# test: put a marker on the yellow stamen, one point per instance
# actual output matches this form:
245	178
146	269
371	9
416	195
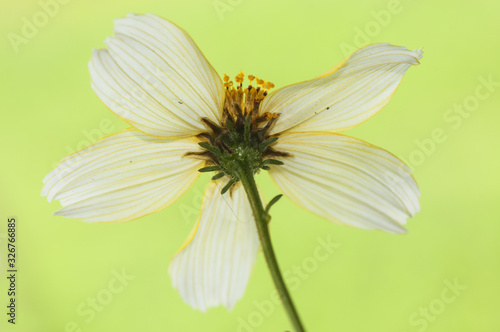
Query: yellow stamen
244	100
240	77
270	116
268	85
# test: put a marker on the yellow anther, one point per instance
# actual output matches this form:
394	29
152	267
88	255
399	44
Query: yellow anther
246	98
240	77
270	116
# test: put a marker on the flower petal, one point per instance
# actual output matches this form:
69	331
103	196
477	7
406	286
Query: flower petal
122	177
214	265
154	77
346	180
344	96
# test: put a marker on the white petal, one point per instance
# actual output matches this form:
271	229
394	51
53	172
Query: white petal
344	96
154	76
122	177
214	265
346	180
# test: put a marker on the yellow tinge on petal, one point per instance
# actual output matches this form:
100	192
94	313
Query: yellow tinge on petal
344	96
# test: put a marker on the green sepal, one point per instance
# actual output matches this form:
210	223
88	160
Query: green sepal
227	141
210	169
267	168
272	202
232	131
268	142
272	162
218	176
227	186
215	150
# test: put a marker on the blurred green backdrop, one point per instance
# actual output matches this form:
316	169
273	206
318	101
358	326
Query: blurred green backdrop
441	276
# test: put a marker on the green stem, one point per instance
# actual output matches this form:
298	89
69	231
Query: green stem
261	219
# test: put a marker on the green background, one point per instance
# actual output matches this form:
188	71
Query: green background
370	281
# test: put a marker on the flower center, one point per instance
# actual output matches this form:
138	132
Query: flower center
245	101
242	137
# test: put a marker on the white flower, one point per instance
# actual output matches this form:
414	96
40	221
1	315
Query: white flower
156	79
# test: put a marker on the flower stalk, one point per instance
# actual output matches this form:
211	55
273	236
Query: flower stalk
262	219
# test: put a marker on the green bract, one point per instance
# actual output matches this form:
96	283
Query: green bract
243	140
